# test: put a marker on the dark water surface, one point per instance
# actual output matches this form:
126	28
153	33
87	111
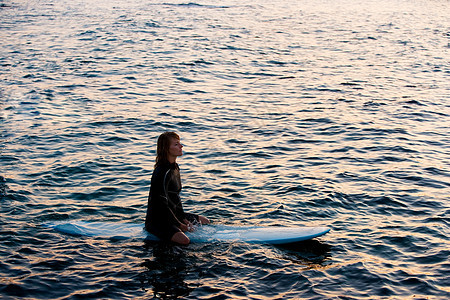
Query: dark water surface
328	113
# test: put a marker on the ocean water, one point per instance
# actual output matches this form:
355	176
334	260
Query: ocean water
320	113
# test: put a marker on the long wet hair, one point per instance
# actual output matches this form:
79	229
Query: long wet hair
163	146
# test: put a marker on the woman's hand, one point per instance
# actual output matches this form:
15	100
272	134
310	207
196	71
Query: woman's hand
203	220
186	226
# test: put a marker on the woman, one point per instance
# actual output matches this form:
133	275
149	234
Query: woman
165	215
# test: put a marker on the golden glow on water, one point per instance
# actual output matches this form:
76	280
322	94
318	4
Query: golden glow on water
291	112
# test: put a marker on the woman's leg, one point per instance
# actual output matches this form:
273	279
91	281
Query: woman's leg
180	238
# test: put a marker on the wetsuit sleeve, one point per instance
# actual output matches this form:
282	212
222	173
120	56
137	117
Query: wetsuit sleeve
179	211
171	216
162	213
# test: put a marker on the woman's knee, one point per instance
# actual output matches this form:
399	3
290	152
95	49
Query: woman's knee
180	238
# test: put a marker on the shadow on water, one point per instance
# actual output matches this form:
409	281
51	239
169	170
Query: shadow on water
312	253
165	273
173	272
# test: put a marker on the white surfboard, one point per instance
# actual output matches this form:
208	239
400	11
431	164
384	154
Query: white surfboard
202	234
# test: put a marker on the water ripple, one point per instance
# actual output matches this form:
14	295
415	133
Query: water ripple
314	113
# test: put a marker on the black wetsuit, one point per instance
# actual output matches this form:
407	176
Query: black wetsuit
164	211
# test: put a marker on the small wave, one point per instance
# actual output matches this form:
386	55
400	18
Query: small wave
295	189
103	193
416	179
197	62
193	4
187	80
436	171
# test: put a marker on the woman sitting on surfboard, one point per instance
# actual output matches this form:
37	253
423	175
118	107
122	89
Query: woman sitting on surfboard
165	215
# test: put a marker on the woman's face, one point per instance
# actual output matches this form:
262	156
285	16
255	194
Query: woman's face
175	148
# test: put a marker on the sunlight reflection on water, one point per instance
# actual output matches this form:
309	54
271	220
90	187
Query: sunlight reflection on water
291	112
